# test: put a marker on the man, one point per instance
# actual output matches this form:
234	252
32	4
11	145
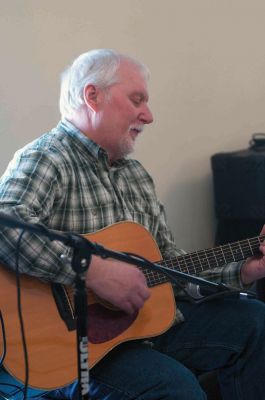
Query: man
78	178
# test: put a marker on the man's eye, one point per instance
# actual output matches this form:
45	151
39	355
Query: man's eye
136	102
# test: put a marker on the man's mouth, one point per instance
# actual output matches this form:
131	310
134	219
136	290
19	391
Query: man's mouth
135	130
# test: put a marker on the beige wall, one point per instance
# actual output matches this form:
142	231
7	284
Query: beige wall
207	88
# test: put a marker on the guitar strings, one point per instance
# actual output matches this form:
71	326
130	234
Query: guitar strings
198	261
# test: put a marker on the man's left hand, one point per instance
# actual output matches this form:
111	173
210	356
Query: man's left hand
254	267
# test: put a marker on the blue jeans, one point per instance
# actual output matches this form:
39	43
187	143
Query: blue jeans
223	335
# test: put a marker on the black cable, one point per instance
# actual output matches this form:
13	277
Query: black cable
11	385
4	339
20	316
18	389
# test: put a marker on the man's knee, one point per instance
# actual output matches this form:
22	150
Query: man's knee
180	384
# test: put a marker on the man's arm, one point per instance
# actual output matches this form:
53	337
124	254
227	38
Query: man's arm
29	190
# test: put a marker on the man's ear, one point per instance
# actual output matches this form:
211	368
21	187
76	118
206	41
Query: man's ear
91	96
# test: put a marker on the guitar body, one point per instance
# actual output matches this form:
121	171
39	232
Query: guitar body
51	346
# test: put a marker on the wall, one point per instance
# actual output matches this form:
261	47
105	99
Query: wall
207	87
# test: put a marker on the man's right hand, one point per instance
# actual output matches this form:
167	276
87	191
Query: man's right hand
119	283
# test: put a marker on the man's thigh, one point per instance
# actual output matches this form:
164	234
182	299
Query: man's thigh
212	333
136	371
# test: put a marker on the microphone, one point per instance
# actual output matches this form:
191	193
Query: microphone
198	293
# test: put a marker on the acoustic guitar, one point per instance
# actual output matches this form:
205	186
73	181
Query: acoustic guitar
49	316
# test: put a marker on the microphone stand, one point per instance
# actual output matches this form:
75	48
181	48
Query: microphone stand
83	249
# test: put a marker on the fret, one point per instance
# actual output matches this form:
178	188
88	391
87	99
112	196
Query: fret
219	254
204	261
237	251
247	249
198	267
250	247
212	258
181	263
190	268
152	275
254	244
157	279
154	278
206	258
169	263
228	253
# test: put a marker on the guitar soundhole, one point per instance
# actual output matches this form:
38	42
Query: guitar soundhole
105	324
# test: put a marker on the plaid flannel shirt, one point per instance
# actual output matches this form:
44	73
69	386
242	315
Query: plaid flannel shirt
63	180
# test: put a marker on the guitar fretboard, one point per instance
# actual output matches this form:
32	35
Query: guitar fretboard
198	261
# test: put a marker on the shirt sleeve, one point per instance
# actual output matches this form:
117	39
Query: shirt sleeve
165	239
29	189
230	274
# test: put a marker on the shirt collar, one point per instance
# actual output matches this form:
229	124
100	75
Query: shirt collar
71	130
96	151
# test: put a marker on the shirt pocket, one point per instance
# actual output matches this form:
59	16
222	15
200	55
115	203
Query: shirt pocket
144	205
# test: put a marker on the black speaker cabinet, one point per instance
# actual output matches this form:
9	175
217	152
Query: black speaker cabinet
239	195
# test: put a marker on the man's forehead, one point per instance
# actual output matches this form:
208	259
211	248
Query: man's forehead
128	70
131	77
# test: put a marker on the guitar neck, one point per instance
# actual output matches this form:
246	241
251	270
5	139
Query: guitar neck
198	261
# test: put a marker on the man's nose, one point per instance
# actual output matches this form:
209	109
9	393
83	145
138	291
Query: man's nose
146	115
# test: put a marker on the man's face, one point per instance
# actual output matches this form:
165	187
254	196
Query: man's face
124	112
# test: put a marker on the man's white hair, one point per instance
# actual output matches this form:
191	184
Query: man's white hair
96	67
